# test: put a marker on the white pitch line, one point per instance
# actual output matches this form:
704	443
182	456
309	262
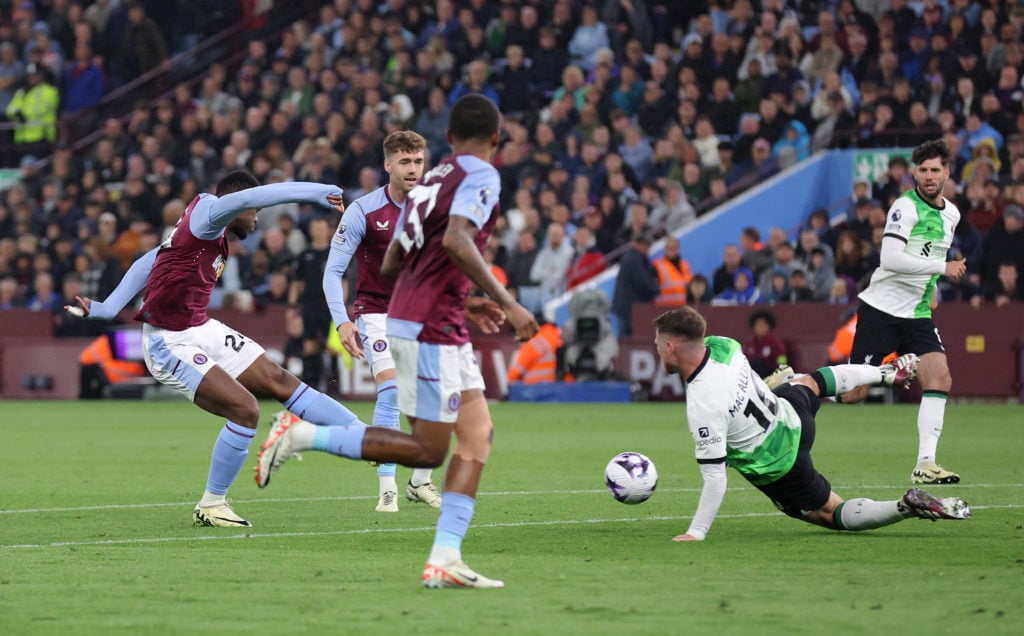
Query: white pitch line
504	493
483	526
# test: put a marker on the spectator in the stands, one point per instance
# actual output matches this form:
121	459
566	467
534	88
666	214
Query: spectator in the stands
637	282
142	47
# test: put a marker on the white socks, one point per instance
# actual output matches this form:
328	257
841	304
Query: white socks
929	427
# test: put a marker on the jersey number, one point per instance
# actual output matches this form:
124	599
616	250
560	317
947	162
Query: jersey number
766	405
422	200
235	341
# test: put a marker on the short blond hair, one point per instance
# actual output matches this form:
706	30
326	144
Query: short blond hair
403	141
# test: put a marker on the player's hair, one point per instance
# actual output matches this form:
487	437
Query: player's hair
934	149
683	322
235	181
403	141
473	116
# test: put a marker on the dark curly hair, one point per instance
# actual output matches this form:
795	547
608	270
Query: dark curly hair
935	149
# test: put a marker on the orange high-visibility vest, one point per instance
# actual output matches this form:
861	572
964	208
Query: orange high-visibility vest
841	347
98	353
535	359
673	281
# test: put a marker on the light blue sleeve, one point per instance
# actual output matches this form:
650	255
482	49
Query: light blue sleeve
477	195
212	214
347	238
132	283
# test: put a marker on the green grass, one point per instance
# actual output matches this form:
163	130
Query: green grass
95	535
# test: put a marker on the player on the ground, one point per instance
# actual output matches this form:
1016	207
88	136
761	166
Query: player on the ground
436	253
219	369
735	420
895	312
365	232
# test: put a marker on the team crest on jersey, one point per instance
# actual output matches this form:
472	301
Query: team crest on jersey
200	359
380	345
218	265
454	401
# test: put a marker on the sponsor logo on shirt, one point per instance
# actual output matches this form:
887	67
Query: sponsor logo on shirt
711	441
703	431
383	225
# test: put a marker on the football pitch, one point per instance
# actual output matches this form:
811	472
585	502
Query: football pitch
96	537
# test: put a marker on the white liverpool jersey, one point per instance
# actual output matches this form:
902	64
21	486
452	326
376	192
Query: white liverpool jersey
734	417
927	233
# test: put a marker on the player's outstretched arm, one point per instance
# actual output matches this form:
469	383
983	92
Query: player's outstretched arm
228	207
459	242
711	496
132	283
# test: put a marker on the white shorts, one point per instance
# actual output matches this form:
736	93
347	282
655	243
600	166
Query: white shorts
373	334
180	359
432	377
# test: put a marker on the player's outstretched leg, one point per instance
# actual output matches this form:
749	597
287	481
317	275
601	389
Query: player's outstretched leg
868	514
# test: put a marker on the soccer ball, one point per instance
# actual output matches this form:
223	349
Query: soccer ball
631	477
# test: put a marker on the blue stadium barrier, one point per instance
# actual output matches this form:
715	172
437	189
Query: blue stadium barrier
784	200
569	392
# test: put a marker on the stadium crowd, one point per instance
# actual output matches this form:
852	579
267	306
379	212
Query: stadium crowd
625	120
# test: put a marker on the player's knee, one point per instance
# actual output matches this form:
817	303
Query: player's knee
475	443
246	412
433	456
939	380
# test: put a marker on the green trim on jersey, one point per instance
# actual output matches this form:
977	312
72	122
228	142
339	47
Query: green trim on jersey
772	459
928	229
722	349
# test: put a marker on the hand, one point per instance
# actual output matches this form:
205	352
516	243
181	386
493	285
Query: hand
524	323
485	313
337	202
955	270
686	537
82	310
350	339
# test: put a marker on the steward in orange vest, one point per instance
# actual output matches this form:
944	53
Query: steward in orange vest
673	276
98	353
536	359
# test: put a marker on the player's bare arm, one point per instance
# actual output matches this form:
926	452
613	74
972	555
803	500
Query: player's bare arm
459	243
